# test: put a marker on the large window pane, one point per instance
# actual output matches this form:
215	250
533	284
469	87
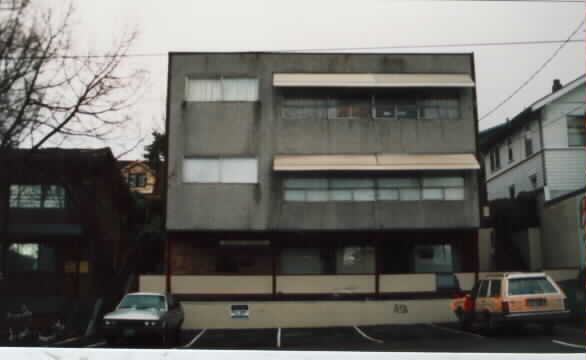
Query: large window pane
294	195
240	89
443	181
576	131
54	197
454	194
409	194
352	183
355	260
229	89
364	195
433	258
204	90
25	196
306	183
243	171
341	195
301	261
348	108
201	171
388	194
433	194
22	258
397	182
527	286
316	195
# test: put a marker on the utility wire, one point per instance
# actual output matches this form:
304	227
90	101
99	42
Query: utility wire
383	47
526	82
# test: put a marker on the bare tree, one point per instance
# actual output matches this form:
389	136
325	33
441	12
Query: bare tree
46	91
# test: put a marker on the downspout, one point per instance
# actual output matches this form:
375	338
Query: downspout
165	180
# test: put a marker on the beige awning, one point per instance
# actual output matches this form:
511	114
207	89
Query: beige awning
375	162
371	80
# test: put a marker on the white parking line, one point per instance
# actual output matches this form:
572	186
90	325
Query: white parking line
366	336
66	341
194	339
455	331
101	343
582	347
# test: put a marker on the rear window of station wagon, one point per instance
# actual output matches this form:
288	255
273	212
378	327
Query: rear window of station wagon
529	286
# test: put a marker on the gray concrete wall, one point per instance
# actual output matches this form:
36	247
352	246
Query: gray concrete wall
257	129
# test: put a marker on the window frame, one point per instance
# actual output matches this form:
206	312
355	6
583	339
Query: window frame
218	165
222	82
377	187
581	130
43	196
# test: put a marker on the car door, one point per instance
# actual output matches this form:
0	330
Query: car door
481	300
493	299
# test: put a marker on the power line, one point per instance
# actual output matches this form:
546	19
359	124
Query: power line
382	47
555	53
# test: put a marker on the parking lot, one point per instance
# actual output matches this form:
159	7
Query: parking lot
400	338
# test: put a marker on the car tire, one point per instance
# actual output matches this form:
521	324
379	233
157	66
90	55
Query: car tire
489	324
463	320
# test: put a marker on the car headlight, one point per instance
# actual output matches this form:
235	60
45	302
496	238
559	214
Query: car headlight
108	322
151	323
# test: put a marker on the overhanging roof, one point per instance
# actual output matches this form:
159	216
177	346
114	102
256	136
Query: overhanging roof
375	162
371	80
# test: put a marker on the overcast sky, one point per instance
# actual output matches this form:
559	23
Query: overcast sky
275	25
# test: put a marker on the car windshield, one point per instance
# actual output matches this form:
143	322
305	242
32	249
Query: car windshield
143	302
526	286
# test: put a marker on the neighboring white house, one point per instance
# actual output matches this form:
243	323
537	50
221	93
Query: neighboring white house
542	148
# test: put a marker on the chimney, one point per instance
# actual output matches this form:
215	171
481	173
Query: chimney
557	84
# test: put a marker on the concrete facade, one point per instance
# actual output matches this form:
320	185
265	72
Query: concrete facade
328	257
256	129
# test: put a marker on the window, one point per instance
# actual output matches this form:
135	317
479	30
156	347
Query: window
37	196
537	285
433	258
348	108
143	302
223	170
528	143
483	289
417	106
576	131
374	189
443	188
30	257
533	180
433	107
495	288
510	149
495	159
512	191
136	180
341	259
224	89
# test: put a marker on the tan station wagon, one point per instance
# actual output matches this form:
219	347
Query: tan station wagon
512	298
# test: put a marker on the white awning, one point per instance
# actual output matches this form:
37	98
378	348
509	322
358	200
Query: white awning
371	80
375	162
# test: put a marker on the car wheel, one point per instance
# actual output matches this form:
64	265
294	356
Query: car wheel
463	320
490	325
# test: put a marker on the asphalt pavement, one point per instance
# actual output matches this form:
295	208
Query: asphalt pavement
387	338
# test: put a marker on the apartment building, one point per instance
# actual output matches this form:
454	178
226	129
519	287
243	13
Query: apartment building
319	189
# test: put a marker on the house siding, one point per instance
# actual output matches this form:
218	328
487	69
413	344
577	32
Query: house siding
498	186
566	170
